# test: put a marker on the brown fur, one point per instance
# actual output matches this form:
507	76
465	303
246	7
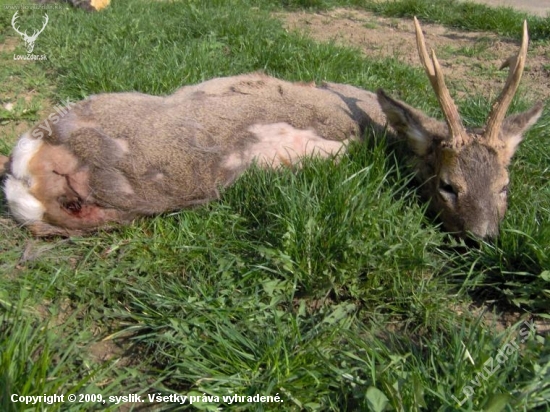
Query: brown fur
175	145
4	161
113	157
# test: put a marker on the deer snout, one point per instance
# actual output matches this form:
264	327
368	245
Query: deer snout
483	231
481	219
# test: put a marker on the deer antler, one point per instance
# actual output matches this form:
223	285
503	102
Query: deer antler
13	20
458	134
36	33
516	64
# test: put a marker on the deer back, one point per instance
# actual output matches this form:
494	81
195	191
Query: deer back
113	157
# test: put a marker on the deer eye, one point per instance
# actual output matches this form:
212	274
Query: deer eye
504	190
447	189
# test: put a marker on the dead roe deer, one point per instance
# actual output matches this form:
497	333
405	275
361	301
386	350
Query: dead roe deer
114	157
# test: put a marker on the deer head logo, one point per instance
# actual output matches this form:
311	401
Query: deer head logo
29	40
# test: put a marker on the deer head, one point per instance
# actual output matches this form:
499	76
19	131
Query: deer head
29	40
464	171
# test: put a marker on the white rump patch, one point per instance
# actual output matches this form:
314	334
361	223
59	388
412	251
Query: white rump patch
24	207
281	144
24	150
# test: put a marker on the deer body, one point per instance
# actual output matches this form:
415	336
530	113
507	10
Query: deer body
114	157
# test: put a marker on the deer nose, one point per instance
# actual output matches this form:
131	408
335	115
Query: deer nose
484	219
485	227
479	231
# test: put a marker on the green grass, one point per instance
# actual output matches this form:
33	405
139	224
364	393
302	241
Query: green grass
327	286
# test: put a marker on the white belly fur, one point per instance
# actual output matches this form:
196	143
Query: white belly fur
281	144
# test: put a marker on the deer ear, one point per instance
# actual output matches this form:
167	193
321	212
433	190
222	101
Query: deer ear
418	128
515	126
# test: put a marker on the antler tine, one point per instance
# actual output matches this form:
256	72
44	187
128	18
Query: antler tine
516	64
449	109
13	21
46	19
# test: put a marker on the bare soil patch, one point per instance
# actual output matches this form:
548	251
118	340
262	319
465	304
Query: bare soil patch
9	44
470	60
